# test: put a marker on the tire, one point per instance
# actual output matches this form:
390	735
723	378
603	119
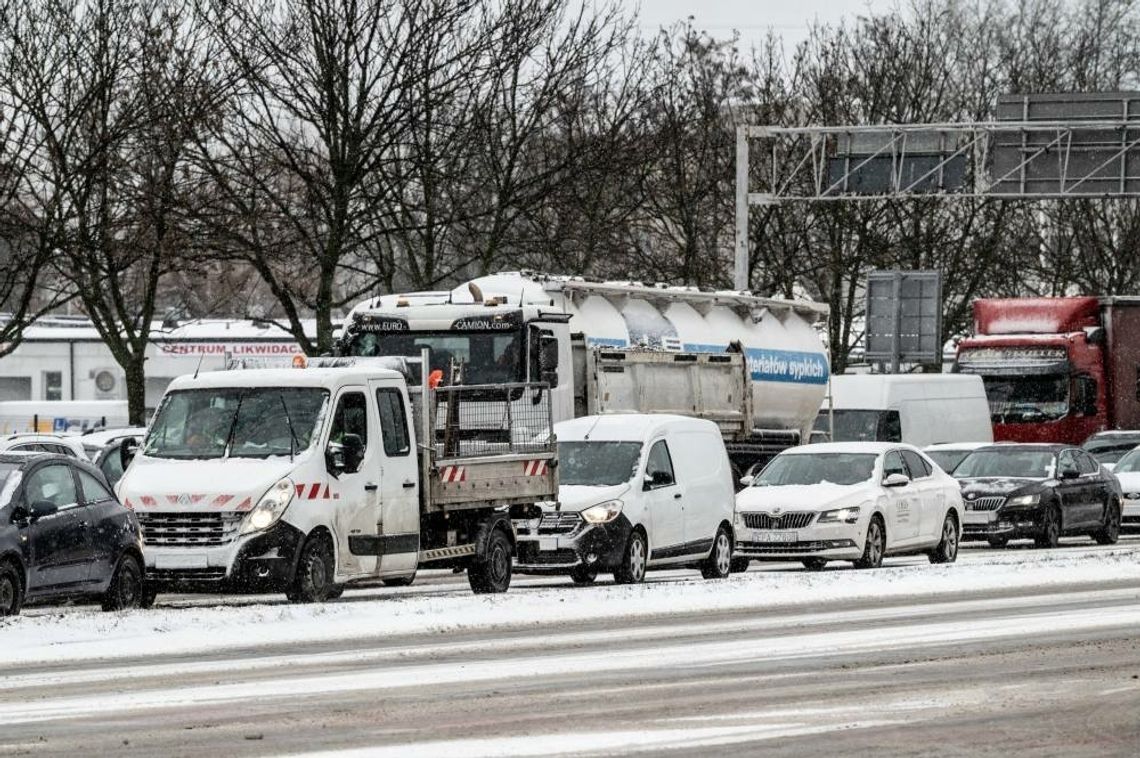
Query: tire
148	596
1050	529
126	590
633	560
814	564
583	575
1109	533
739	565
11	589
400	581
998	542
874	546
947	549
719	563
313	581
492	573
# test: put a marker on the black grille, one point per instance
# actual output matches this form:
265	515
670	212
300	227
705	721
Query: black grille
559	523
189	529
175	576
530	555
786	547
985	504
792	520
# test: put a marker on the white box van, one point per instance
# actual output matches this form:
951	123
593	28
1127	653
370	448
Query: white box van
636	492
918	409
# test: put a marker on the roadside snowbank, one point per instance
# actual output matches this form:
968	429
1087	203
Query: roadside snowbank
79	634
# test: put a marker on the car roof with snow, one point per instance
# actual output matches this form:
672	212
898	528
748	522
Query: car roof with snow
628	426
869	448
956	446
327	378
1044	447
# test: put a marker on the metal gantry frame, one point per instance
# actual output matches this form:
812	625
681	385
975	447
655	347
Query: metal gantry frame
1026	159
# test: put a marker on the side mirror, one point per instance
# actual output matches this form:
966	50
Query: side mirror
1068	473
353	452
127	450
896	480
658	479
41	508
746	481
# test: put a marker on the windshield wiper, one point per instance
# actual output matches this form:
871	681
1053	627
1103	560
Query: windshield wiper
294	443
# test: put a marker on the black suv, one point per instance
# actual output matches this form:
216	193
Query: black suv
1037	491
64	534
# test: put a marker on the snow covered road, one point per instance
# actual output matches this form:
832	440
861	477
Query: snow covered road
1002	649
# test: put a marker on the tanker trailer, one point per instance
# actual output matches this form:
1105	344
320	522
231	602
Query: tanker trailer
756	366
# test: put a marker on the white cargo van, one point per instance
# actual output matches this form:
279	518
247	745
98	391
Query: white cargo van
636	492
918	409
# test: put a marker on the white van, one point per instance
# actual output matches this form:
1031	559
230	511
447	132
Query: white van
918	409
636	492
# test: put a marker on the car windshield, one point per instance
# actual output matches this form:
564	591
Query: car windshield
1111	450
598	463
817	468
483	357
1129	463
1013	463
1027	399
237	423
861	425
947	460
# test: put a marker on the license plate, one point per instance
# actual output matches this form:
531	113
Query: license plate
186	561
547	543
974	517
774	537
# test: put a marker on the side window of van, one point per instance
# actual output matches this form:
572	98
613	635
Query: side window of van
919	468
351	417
393	422
890	427
659	466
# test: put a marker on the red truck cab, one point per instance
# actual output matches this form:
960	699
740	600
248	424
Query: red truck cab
1056	369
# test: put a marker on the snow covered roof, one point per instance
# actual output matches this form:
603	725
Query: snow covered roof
632	427
327	378
66	328
868	448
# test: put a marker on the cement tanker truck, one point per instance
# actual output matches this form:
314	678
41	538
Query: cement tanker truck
754	365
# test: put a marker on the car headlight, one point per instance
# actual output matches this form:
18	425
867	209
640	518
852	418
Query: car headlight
602	513
844	515
270	508
1023	500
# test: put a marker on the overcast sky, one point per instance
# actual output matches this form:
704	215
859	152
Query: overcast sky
789	18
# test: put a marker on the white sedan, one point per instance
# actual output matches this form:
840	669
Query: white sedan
849	501
1127	470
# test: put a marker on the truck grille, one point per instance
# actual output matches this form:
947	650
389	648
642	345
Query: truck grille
985	504
189	529
559	523
793	520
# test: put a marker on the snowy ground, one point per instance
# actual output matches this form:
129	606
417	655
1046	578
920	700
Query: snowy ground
55	635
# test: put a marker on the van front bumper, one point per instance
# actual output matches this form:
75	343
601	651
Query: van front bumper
258	562
598	546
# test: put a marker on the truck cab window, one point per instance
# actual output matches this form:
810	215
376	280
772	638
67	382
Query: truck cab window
393	422
351	417
1084	395
479	357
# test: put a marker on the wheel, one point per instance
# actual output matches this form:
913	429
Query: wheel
1050	528
1109	532
998	542
632	569
126	590
400	581
814	564
719	563
873	546
492	573
947	549
583	575
313	581
11	590
739	565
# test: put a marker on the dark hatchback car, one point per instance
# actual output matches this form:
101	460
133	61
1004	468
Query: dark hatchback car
1041	492
64	535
